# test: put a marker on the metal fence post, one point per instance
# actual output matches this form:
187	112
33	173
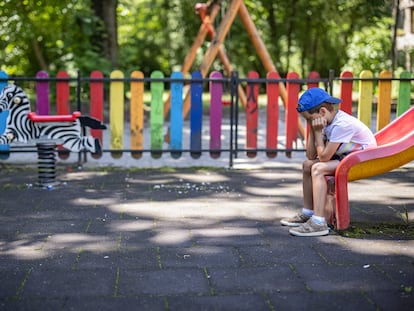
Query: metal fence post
234	112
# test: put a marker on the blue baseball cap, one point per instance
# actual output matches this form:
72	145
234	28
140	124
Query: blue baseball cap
314	97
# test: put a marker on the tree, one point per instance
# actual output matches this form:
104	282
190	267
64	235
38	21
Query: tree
106	35
147	35
47	35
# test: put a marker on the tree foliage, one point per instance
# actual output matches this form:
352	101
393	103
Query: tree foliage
300	35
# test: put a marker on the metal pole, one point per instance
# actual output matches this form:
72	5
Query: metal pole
330	80
79	107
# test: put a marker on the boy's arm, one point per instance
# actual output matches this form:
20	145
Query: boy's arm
311	153
325	152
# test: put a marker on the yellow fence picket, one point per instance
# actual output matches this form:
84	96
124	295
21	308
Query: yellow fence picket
116	112
365	97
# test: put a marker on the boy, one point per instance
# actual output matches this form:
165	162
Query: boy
333	135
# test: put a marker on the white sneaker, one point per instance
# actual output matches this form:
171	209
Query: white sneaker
295	221
310	228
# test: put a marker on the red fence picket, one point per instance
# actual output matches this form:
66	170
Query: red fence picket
292	90
346	91
62	94
272	113
97	100
252	113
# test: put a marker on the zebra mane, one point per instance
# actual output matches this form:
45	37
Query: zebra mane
13	97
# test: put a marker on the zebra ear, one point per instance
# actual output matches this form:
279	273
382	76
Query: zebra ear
17	100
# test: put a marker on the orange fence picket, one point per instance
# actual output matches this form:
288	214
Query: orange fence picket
384	100
137	114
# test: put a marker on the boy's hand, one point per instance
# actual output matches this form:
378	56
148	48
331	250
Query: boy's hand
318	124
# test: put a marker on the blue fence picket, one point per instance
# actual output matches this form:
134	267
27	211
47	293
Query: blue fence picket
196	114
3	114
3	119
176	116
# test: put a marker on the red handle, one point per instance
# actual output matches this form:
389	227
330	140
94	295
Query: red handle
59	118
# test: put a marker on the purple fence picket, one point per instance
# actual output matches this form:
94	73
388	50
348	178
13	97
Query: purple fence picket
42	91
216	92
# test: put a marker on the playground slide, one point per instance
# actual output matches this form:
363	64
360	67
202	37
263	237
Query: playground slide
395	148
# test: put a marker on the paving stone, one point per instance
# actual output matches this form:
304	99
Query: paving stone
283	253
343	278
361	252
11	281
32	304
245	302
393	300
163	282
68	282
247	280
329	300
115	303
202	256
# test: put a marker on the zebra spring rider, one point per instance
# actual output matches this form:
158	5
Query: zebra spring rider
20	128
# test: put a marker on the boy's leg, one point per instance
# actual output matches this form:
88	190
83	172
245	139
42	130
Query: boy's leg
319	184
307	183
307	212
316	225
329	210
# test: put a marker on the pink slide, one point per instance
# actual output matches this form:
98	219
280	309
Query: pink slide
395	148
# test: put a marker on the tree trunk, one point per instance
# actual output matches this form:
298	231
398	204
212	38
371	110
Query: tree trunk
290	29
396	15
39	55
107	35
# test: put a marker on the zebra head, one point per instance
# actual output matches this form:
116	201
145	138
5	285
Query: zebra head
11	97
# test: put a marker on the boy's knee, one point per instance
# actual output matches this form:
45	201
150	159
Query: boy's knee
307	165
317	169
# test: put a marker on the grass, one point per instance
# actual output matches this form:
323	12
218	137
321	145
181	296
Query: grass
388	230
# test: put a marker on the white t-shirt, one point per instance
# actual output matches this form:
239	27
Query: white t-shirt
350	132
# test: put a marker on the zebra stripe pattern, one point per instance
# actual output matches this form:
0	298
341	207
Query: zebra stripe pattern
20	128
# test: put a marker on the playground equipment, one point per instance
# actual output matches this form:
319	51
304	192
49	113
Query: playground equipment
46	148
46	131
395	148
208	13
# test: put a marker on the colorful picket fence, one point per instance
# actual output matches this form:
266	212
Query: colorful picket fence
176	83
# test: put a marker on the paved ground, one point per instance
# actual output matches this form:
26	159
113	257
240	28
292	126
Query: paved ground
206	239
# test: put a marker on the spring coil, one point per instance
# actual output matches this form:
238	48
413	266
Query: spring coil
46	164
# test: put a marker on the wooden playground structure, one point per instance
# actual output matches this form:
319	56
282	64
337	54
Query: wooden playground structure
208	12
